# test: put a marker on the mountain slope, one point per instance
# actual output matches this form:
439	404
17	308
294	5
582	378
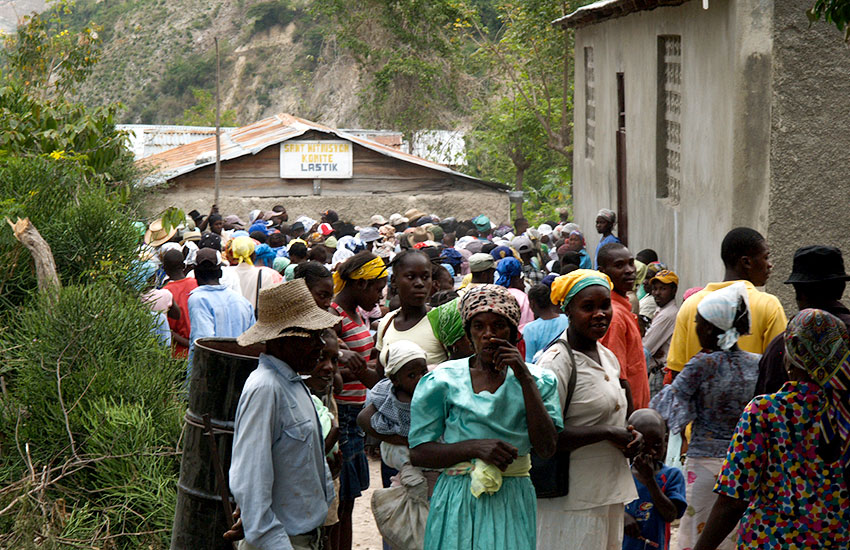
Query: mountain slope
273	58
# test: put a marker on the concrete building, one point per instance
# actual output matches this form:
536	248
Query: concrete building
309	167
693	117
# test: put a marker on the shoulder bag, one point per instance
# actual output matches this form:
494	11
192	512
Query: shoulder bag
551	476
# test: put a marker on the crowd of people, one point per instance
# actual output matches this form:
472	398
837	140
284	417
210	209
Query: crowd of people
520	393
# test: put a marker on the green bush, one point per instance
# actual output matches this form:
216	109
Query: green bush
87	224
118	402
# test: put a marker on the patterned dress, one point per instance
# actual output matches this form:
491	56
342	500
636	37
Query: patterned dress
797	501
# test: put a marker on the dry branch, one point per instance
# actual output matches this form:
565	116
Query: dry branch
45	266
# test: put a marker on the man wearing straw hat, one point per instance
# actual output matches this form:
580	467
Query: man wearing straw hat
278	474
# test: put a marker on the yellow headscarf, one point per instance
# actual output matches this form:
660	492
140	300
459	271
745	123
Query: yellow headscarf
565	287
373	269
242	248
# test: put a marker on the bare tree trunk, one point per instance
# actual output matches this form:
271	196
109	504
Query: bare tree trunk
520	175
45	266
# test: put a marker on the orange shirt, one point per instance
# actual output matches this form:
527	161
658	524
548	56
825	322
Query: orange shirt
623	339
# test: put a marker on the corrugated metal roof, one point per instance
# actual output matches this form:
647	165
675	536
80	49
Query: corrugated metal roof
150	139
610	9
253	138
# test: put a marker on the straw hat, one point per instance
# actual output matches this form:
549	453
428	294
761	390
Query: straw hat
414	214
420	235
284	307
156	235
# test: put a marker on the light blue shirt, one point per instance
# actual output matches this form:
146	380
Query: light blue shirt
540	332
217	311
278	473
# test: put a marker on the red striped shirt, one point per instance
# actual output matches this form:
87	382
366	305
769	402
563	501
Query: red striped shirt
359	340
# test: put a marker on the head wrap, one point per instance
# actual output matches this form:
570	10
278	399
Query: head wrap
373	269
190	251
666	277
580	236
450	269
507	269
330	242
446	322
640	273
482	223
607	214
501	252
549	279
260	226
239	233
565	287
242	248
720	309
452	257
281	263
570	227
818	343
265	254
355	245
489	299
396	355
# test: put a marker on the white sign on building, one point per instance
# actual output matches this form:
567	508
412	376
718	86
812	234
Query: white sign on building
316	159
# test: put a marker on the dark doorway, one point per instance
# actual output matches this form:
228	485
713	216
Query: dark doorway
622	198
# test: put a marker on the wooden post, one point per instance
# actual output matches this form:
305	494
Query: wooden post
217	123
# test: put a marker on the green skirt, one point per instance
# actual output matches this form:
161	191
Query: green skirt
505	520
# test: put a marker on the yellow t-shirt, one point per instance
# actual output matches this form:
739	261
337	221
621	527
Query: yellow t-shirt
767	320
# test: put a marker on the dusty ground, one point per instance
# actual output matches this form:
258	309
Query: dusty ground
366	535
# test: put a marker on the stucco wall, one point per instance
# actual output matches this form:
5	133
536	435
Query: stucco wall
810	146
725	95
355	208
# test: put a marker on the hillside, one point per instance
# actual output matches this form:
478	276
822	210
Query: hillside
11	11
274	58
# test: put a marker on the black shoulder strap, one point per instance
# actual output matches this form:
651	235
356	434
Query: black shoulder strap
571	385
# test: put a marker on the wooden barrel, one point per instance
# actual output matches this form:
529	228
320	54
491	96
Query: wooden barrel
219	370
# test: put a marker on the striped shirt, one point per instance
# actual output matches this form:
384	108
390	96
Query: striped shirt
359	340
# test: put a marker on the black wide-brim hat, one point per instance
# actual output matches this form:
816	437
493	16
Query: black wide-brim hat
817	264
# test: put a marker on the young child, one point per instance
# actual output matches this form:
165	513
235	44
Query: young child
661	488
386	415
321	382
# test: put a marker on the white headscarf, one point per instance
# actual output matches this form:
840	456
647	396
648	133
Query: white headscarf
192	253
719	309
396	355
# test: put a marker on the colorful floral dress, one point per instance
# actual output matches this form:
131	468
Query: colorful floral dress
797	501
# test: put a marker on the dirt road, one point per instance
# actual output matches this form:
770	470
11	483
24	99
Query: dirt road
366	535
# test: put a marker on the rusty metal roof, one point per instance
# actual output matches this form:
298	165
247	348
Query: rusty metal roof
610	9
253	138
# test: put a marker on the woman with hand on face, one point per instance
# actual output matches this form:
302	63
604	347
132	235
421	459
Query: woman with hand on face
596	436
478	418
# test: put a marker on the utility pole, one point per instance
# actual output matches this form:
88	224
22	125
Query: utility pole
217	122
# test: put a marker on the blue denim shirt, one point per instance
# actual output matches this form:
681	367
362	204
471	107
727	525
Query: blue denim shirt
217	311
278	473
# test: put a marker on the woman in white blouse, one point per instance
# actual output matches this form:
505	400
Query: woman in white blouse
595	434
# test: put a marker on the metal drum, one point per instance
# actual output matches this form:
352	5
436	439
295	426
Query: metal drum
219	370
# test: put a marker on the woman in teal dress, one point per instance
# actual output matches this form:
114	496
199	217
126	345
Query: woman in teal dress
478	418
